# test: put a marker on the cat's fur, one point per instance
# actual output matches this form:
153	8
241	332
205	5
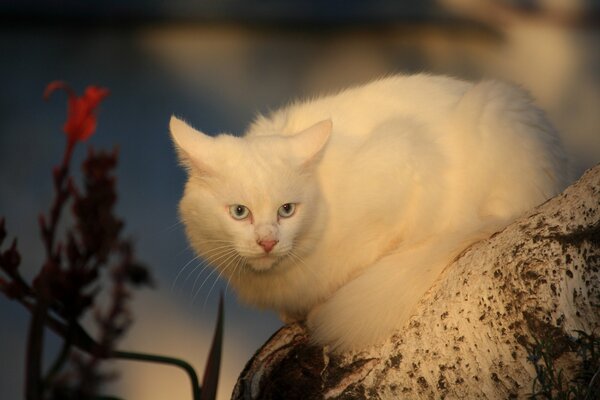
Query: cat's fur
392	180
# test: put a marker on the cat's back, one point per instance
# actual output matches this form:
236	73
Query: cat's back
359	110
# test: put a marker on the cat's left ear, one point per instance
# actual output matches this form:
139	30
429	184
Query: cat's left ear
309	144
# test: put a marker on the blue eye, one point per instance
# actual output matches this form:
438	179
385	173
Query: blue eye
287	210
238	211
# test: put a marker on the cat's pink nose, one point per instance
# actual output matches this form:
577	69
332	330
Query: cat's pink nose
267	245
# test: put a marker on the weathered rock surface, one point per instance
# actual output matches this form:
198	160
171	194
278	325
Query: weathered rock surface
469	337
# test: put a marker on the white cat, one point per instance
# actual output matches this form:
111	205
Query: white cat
343	210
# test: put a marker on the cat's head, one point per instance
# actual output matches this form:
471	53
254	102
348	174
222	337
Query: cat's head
250	201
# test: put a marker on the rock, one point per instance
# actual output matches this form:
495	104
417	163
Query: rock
470	336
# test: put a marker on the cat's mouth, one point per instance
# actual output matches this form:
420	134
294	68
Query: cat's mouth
264	262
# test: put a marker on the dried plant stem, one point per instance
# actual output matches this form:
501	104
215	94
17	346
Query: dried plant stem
35	347
60	199
62	357
128	355
35	340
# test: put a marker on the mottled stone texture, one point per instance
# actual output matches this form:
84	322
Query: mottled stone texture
538	278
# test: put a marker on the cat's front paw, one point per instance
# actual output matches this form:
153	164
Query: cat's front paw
345	327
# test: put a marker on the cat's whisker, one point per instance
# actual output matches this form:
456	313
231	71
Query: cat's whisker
232	258
296	258
242	267
172	227
305	266
204	264
293	252
206	258
211	261
230	263
217	241
230	255
183	250
216	249
235	269
181	271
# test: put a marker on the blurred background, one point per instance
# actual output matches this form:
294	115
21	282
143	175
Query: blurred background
217	64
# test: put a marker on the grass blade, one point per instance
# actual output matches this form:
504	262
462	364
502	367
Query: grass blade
210	380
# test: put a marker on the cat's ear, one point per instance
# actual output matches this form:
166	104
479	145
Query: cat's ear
309	144
193	147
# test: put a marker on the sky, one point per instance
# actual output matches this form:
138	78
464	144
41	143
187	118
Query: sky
217	69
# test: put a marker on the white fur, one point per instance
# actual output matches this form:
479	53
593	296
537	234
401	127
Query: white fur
400	175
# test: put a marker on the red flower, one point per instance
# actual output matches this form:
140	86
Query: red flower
81	117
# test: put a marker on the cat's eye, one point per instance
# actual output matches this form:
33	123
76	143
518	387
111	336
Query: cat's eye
238	211
286	210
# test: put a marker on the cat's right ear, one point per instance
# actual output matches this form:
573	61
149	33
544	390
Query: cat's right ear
193	147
